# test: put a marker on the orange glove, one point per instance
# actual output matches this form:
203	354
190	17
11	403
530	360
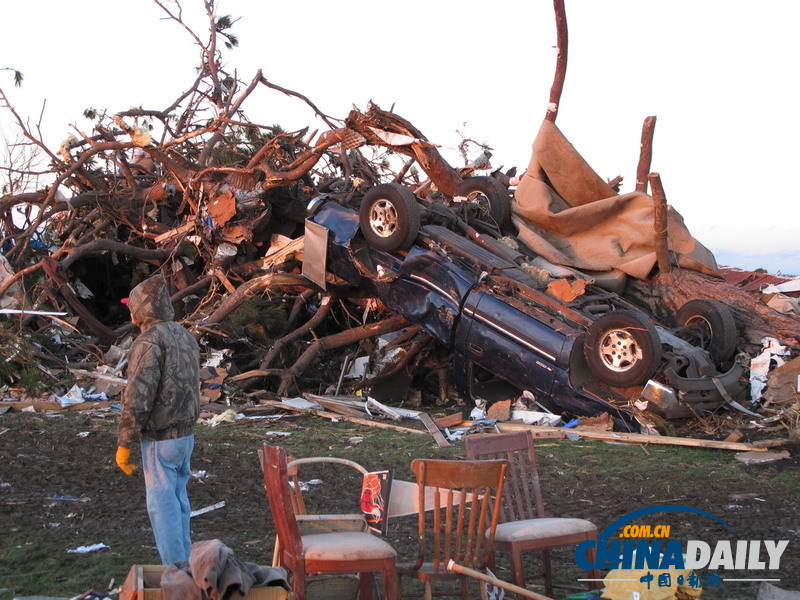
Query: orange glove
123	454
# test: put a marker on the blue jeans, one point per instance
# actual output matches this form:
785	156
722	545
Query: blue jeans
166	472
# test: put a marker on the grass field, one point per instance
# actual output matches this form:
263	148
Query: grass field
60	489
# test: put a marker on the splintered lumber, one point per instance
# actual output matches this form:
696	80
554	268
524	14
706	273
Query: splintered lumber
645	154
173	233
378	126
382	408
627	438
341	408
332	415
353	402
434	430
356	407
660	229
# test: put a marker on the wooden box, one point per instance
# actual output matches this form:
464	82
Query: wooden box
144	583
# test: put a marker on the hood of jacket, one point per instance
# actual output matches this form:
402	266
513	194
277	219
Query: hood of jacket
149	302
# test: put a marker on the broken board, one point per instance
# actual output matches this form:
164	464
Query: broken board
431	426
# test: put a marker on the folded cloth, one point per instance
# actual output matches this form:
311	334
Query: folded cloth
214	573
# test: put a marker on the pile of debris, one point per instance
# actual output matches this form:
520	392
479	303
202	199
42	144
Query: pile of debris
220	207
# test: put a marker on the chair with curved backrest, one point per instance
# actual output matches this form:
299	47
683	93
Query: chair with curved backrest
293	466
524	526
317	523
464	518
341	552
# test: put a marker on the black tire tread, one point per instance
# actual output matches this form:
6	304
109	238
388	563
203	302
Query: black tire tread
495	192
724	335
409	217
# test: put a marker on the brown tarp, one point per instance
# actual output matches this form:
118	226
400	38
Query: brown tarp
566	213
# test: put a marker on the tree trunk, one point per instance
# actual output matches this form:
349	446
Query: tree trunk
754	319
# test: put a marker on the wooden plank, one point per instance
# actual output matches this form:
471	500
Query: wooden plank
449	420
628	438
331	415
354	401
382	408
434	430
339	407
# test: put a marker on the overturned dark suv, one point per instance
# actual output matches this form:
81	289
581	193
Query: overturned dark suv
465	289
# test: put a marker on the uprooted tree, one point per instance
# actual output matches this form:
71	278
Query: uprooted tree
199	199
202	200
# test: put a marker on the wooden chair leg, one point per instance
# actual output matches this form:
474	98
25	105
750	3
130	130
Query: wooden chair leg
465	588
276	553
548	573
366	579
390	581
594	574
483	593
427	594
298	587
517	569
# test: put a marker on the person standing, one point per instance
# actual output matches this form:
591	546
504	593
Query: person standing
160	406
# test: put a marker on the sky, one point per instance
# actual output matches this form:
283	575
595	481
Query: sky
718	75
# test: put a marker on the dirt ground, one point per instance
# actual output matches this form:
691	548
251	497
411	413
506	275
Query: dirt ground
60	489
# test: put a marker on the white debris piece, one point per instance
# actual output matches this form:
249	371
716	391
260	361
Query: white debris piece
87	549
532	417
300	402
479	412
205	509
759	366
72	397
216	358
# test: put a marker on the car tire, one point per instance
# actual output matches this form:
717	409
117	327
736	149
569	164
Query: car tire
622	348
490	195
717	332
389	217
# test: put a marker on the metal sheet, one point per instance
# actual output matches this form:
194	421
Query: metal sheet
315	253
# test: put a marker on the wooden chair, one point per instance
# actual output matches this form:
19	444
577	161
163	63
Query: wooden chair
524	526
341	552
317	523
464	519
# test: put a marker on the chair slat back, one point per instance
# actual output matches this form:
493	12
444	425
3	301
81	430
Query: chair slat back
279	495
463	507
522	497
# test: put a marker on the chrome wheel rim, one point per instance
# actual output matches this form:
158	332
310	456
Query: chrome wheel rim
619	350
383	219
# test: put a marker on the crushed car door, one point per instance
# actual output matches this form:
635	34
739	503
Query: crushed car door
427	291
508	342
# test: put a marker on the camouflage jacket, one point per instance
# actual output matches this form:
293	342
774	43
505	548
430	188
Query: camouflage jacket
162	398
